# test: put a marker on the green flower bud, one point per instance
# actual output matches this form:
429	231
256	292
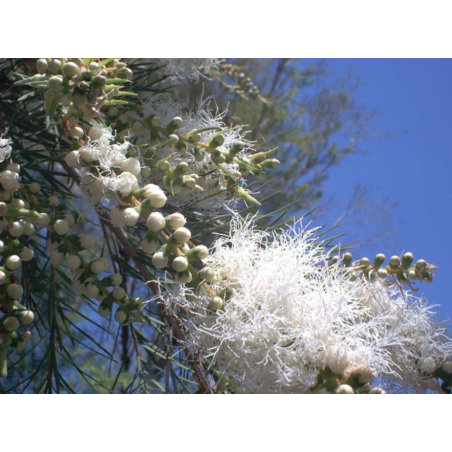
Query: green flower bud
198	153
10	324
216	303
175	123
125	73
121	316
173	139
184	278
156	121
56	84
70	70
180	264
138	303
216	140
218	157
236	148
226	294
181	235
193	137
55	66
377	391
347	259
26	317
394	262
118	293
206	274
146	172
402	277
407	260
344	389
93	66
427	276
159	260
382	273
13	262
98	81
271	163
364	262
378	261
3	209
42	65
197	252
420	264
15	291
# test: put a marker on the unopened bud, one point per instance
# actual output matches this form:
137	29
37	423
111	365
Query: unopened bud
159	260
206	274
155	222
394	262
344	389
182	235
407	260
216	303
99	266
11	324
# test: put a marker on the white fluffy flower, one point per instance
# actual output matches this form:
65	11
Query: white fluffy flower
291	316
102	150
5	148
188	68
102	153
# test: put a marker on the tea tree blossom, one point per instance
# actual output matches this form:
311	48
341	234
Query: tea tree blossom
285	320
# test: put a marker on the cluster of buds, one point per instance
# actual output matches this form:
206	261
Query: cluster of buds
17	229
210	152
90	278
83	86
401	269
244	85
353	381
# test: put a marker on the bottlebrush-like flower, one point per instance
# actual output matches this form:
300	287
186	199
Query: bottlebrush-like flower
292	318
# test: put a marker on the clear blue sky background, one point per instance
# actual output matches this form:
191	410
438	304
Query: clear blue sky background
414	166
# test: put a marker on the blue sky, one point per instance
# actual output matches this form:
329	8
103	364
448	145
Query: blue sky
413	166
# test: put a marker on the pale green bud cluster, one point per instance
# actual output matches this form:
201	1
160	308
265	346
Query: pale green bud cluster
18	217
401	270
82	86
244	85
